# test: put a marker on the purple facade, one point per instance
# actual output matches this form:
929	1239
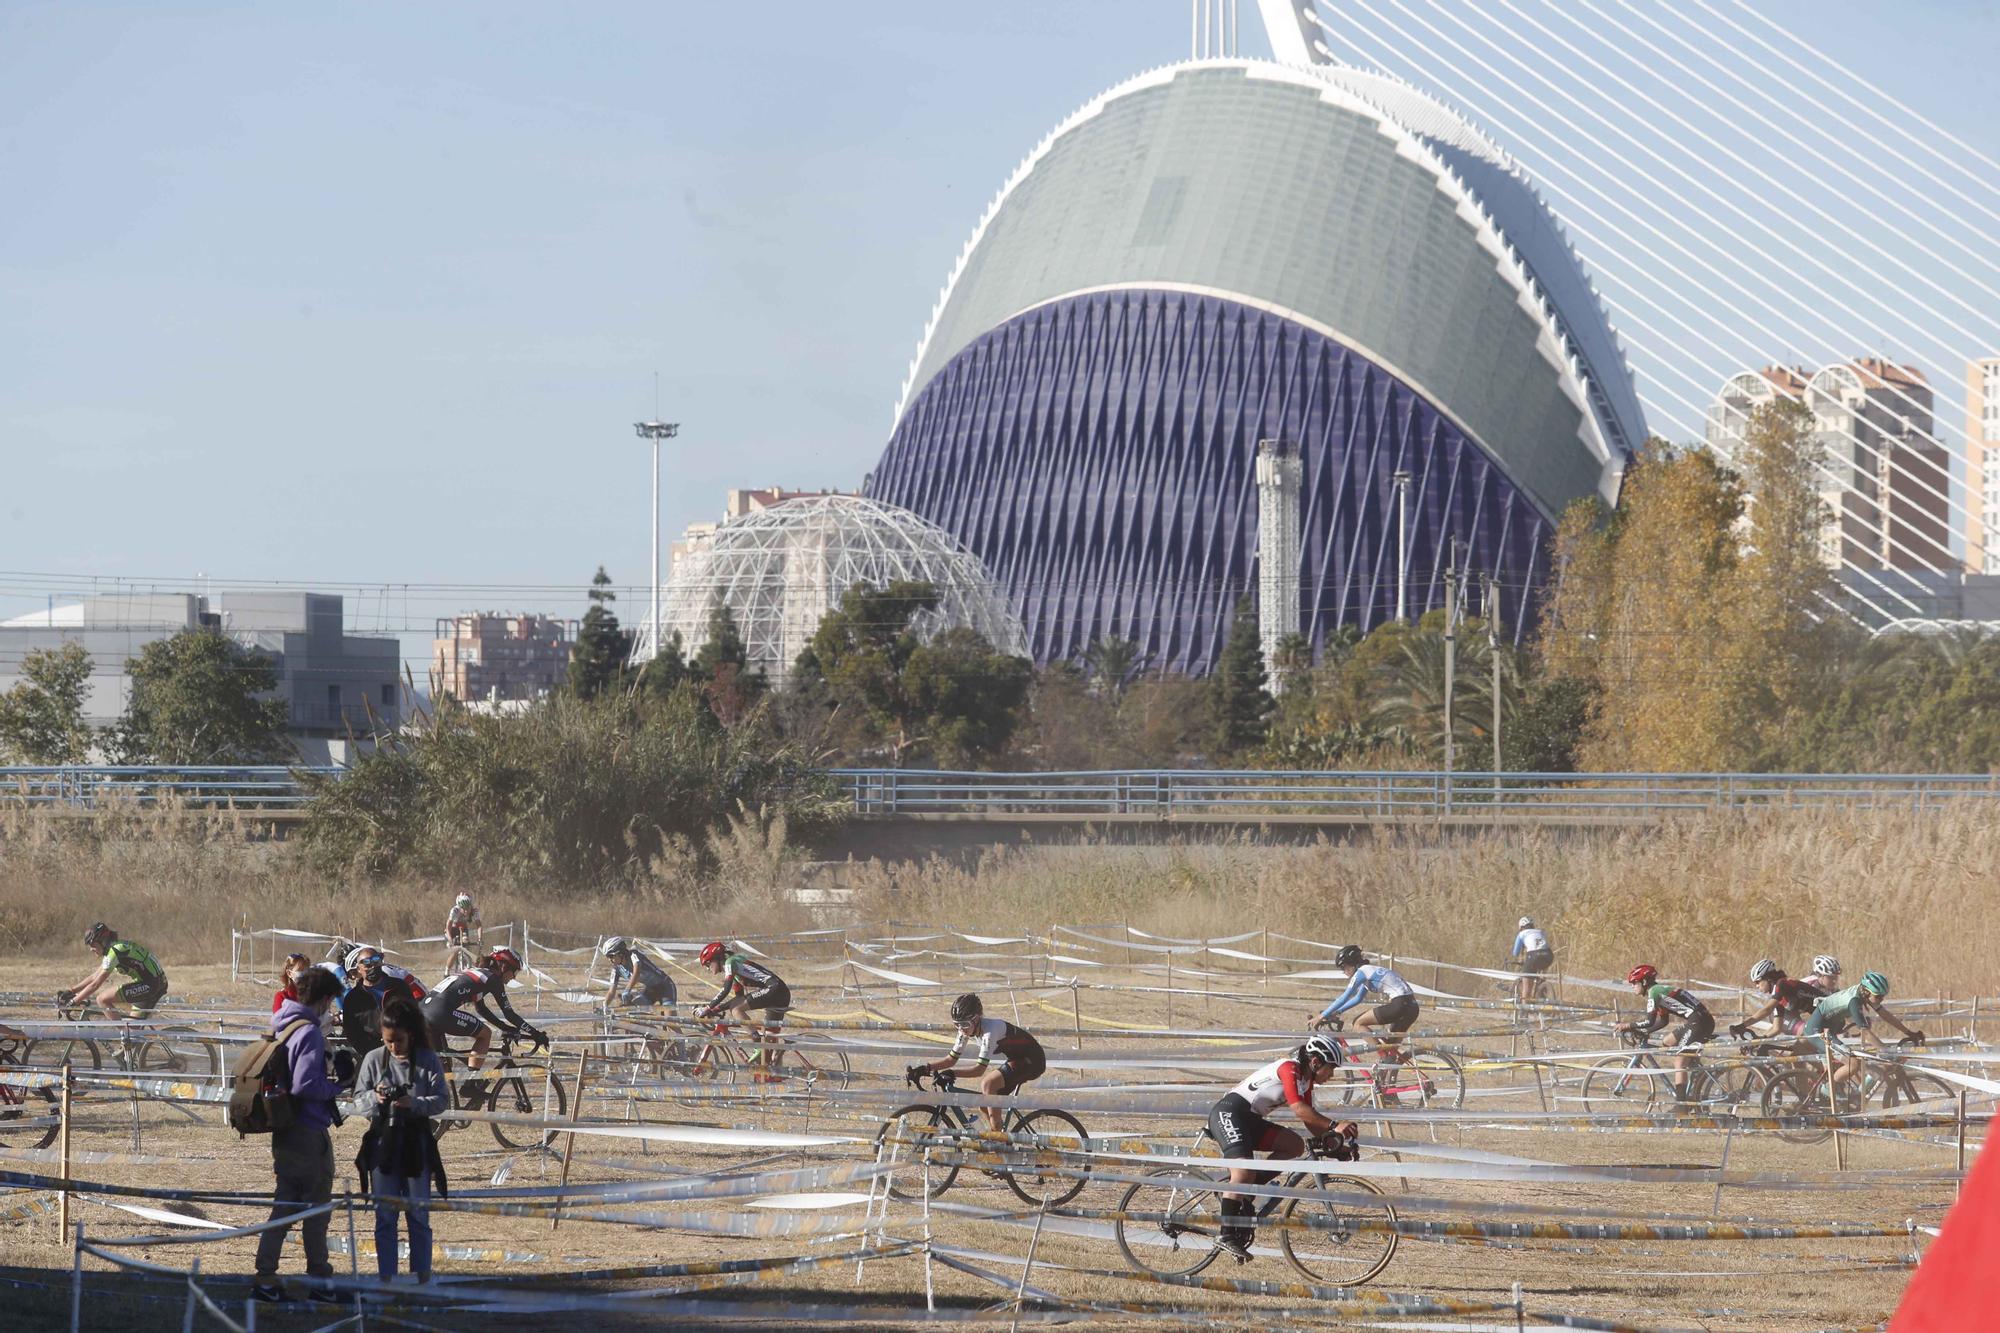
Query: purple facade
1098	455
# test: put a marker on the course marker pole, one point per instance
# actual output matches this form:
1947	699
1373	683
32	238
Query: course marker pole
76	1284
1041	1215
1959	1187
62	1198
930	1291
569	1148
1729	1137
1832	1106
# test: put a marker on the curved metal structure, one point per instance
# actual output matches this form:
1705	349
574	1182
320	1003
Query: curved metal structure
1226	251
780	570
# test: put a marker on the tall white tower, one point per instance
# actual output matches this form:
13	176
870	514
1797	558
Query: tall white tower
1278	477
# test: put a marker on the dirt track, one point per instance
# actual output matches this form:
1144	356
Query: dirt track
1776	1284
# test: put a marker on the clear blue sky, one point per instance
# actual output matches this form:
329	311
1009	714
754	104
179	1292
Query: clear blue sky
372	292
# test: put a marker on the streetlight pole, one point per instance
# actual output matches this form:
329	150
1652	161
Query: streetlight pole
1403	547
655	431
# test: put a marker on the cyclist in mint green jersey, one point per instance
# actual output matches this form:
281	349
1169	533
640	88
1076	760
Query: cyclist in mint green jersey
1849	1010
129	958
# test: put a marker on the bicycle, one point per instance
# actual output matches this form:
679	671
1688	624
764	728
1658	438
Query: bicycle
160	1052
21	1105
1431	1076
512	1087
1170	1224
458	957
948	1120
1801	1091
1638	1083
723	1058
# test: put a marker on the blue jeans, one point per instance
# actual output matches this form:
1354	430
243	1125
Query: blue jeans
417	1191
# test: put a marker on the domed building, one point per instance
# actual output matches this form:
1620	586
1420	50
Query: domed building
780	569
1228	252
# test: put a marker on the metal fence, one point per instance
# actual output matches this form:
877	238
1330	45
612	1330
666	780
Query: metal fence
1195	794
1299	796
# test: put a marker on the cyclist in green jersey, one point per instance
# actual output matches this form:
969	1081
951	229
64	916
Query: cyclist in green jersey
748	985
1851	1008
134	998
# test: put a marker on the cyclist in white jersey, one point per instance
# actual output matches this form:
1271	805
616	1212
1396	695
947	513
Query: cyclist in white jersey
1396	1014
1240	1125
1531	955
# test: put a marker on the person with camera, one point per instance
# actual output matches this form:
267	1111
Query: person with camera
400	1089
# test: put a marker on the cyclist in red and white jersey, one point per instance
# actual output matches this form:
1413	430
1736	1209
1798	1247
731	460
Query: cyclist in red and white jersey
1240	1124
1021	1058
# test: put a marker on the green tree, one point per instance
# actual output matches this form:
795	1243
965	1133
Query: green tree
968	697
1111	662
1409	692
722	665
1240	703
198	698
666	671
1544	734
603	649
41	719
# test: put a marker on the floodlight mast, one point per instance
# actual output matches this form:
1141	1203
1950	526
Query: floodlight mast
655	431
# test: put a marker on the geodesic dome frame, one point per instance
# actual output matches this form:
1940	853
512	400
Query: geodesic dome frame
780	570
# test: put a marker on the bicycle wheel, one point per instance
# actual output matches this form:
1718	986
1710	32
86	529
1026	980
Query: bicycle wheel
820	1063
1619	1085
1064	1131
55	1052
169	1055
1431	1078
1168	1227
1914	1090
19	1104
1797	1092
1730	1085
894	1147
1336	1251
526	1090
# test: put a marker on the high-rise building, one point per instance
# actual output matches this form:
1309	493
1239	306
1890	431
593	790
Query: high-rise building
494	656
1982	466
1884	480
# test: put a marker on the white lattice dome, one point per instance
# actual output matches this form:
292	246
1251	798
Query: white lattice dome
780	570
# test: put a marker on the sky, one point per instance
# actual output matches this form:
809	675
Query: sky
371	294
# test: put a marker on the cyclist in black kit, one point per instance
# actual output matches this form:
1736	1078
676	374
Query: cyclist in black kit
1021	1059
442	1008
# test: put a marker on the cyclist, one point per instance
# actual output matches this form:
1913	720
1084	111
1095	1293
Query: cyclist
1791	1000
1397	1012
1825	974
1843	1009
635	978
1533	956
475	985
372	985
1665	1004
462	925
1240	1125
134	998
1022	1060
748	985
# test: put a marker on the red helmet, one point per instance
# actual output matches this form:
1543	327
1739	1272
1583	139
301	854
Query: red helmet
505	958
1643	975
710	952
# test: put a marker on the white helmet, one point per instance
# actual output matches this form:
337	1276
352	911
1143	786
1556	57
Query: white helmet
1826	965
615	947
360	951
1762	968
1527	921
464	900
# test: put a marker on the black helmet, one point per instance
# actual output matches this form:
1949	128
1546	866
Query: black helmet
98	936
966	1008
1350	956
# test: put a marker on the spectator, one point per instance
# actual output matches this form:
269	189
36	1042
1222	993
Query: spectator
296	966
302	1151
400	1087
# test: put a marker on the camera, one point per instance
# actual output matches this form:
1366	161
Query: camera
392	1092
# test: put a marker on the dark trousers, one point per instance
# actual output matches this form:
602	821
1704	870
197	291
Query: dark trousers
302	1159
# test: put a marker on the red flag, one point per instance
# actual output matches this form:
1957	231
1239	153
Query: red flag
1957	1285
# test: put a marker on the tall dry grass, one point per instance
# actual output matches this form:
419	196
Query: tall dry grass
1915	895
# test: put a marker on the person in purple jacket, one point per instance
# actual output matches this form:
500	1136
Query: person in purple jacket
302	1152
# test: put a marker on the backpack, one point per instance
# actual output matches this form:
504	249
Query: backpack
260	1085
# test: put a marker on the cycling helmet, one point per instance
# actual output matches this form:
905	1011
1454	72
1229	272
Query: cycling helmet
1875	984
1826	965
505	958
1350	956
966	1008
463	900
98	936
1323	1049
1643	975
1764	967
615	947
362	953
1526	921
710	952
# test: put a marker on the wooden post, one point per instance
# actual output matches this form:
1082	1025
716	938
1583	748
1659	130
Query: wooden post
1728	1138
1832	1107
1076	1011
62	1199
1170	990
569	1148
1959	1186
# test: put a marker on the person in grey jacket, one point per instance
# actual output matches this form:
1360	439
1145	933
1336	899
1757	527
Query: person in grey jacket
302	1152
400	1088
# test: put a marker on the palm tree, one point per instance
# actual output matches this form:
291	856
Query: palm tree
1111	662
1408	694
